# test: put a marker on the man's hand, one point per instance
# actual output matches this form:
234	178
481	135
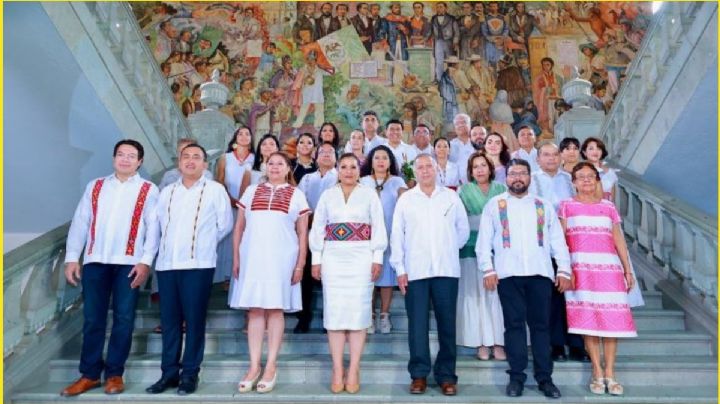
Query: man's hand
140	272
403	283
315	271
564	284
490	282
73	272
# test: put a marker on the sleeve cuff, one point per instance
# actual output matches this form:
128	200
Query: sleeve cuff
316	257
399	270
489	272
147	260
564	274
378	256
71	257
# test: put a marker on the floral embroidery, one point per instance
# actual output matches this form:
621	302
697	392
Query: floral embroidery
94	202
135	222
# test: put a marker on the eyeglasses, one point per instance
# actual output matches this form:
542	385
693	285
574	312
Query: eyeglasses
517	174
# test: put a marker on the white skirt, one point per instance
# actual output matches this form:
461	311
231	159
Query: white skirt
346	272
479	313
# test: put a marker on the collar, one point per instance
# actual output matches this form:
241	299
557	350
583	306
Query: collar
416	189
508	195
197	183
269	185
133	178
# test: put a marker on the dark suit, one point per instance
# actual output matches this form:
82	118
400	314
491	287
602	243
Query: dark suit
321	31
364	30
445	35
304	23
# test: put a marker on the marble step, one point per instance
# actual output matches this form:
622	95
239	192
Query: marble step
218	299
669	343
392	369
319	393
645	319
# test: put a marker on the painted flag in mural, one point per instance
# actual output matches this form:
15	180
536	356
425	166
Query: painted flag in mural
207	41
343	46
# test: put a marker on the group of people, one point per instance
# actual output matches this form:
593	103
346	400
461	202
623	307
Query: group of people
491	241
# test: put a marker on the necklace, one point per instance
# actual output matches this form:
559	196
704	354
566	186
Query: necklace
380	186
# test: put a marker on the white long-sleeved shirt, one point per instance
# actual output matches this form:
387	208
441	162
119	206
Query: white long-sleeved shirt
313	185
428	233
529	157
363	206
375	142
524	257
552	188
403	153
192	221
115	208
460	152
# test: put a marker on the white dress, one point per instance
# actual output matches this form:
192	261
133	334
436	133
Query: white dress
269	248
234	173
345	248
450	176
388	198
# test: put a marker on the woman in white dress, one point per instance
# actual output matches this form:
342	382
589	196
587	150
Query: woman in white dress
448	174
381	173
267	145
233	171
347	241
270	244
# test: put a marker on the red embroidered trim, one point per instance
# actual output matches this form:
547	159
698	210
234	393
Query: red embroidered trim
266	199
135	222
94	203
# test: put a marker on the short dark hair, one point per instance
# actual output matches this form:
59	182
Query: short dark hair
199	147
392	121
258	156
342	5
597	142
547	59
584	164
517	162
366	168
349	156
307	135
317	150
359	6
566	142
370	112
131	143
470	163
441	138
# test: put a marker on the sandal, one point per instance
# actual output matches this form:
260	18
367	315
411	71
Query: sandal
614	388
597	385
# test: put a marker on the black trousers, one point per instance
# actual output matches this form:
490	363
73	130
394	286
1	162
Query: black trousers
526	299
307	285
185	297
559	336
442	292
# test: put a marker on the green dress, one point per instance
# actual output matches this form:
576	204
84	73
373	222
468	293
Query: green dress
474	200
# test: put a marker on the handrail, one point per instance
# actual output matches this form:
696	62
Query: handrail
681	237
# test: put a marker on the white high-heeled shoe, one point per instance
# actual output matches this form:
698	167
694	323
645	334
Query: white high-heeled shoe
246	386
266	387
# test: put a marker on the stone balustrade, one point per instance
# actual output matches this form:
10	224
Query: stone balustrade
678	236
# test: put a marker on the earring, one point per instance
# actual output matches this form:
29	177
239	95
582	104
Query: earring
234	146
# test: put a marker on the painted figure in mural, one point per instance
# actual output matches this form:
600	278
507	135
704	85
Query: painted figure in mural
618	55
482	78
419	26
305	26
165	42
510	79
341	10
546	89
409	121
249	25
462	84
308	88
262	113
380	27
445	32
425	115
592	67
326	24
477	105
469	26
351	109
363	25
398	28
495	30
449	90
521	25
501	118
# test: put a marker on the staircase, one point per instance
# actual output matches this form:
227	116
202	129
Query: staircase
666	363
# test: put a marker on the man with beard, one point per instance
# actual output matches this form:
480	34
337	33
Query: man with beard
519	232
397	30
326	24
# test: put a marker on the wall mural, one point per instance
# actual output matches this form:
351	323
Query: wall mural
292	66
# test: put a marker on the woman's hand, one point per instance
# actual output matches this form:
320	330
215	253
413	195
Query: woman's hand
236	269
296	276
315	272
376	271
629	280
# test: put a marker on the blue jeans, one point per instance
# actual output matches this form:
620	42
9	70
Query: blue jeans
184	296
99	283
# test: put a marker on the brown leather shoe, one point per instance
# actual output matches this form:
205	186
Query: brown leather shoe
448	389
114	385
80	386
418	386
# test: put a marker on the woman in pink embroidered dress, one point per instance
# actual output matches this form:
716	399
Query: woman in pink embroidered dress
598	306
